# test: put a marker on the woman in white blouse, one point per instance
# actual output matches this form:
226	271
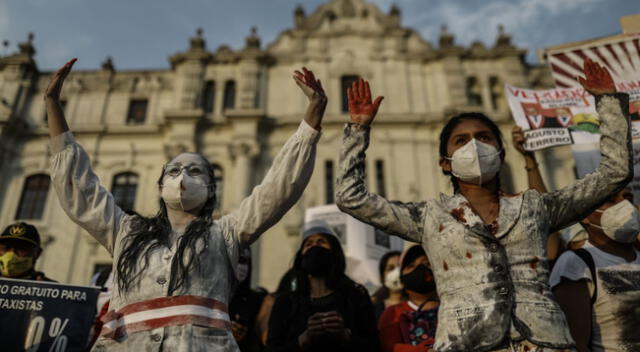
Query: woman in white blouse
174	272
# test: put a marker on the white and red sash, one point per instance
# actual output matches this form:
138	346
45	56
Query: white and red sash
165	311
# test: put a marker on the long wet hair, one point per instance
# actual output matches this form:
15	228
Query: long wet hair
447	130
150	233
336	277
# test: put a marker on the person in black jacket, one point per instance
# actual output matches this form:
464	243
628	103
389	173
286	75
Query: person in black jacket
245	306
326	310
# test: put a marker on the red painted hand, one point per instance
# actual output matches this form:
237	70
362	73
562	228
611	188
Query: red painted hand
597	79
361	109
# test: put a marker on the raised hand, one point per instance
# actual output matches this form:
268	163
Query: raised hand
55	83
597	79
55	115
361	109
518	139
312	88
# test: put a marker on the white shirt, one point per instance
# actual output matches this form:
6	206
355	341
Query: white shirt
616	311
93	208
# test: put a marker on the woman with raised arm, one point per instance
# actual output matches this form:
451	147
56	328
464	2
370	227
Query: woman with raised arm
487	248
534	178
174	272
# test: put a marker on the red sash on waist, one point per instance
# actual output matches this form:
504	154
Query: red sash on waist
165	311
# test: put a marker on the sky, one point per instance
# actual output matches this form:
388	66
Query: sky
142	34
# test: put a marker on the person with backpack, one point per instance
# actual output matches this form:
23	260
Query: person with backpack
598	286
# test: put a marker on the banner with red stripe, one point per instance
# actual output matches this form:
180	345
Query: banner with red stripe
619	54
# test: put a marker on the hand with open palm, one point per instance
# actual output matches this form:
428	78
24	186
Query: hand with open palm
312	88
55	114
55	83
361	109
597	79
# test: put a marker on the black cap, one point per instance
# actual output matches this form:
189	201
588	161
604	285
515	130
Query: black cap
23	232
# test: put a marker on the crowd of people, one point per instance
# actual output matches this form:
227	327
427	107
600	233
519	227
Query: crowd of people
490	271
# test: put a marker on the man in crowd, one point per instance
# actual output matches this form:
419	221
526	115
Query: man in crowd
598	285
19	251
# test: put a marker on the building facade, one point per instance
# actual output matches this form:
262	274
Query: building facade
238	107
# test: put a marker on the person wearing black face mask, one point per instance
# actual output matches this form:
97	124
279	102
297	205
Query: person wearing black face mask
317	260
411	326
326	311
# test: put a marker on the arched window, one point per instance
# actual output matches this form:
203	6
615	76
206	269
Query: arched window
380	178
209	96
34	197
124	190
328	181
473	91
229	95
218	179
345	83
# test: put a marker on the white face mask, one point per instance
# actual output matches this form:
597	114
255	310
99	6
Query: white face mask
620	222
392	280
476	162
195	192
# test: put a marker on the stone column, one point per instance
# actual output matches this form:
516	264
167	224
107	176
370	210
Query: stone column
243	153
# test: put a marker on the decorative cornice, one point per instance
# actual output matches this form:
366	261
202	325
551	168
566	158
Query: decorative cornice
197	51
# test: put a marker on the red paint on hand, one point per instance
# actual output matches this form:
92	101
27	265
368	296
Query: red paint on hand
597	79
361	108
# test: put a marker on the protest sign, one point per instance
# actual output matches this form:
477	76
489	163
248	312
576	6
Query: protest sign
363	244
554	117
43	316
620	55
565	116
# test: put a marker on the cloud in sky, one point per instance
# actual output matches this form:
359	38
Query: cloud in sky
142	34
533	24
469	22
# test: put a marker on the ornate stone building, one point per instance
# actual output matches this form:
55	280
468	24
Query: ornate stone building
239	107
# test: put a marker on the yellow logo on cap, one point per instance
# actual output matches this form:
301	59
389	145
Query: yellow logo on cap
17	231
